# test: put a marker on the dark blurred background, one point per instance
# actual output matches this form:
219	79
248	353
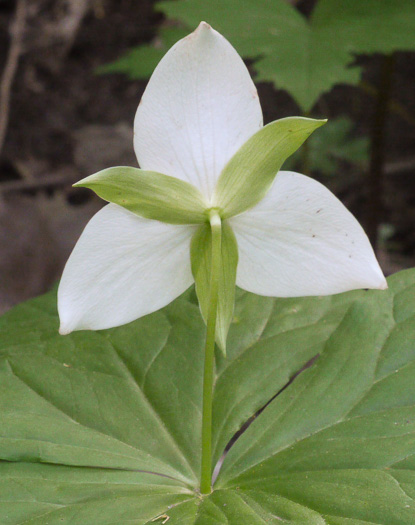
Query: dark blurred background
60	120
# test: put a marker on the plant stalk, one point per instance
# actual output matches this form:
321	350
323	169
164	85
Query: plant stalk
206	466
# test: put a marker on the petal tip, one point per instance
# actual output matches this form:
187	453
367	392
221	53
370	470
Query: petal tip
203	30
203	26
380	283
64	330
384	285
67	323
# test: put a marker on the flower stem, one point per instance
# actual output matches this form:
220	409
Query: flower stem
206	468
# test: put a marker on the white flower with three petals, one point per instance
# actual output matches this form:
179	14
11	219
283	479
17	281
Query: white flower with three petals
199	108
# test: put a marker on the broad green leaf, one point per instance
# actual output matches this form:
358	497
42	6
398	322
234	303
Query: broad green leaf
340	439
129	398
281	335
102	399
149	194
200	250
336	446
304	57
236	507
367	27
323	393
35	494
248	175
349	496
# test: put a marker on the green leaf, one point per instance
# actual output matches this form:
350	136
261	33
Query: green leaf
149	194
304	57
323	393
82	416
236	507
36	494
247	177
341	438
201	248
367	27
100	398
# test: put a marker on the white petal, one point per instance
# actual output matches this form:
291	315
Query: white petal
123	267
199	107
300	240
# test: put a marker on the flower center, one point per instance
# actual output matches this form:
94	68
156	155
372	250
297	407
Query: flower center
213	212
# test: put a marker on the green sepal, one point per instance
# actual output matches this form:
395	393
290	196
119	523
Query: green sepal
248	175
149	194
200	252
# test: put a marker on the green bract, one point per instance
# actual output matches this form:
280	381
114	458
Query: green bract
201	255
249	174
243	182
149	194
332	145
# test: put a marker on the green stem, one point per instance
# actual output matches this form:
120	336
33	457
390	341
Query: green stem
206	469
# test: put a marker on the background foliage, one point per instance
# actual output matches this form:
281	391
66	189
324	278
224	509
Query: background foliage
65	122
304	56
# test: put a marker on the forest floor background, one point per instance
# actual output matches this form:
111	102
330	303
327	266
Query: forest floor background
65	122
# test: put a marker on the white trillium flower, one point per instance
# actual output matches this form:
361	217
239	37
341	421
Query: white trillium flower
294	239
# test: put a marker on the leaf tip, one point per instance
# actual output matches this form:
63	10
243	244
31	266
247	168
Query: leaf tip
83	183
221	345
320	122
